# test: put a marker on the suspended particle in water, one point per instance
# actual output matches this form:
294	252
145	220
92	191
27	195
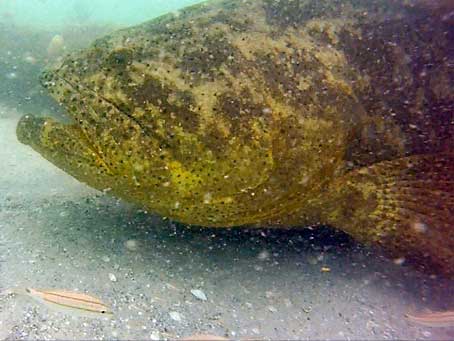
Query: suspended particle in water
399	261
264	255
30	59
11	75
207	198
267	111
419	227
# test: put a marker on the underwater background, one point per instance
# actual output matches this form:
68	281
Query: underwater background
52	13
162	279
36	33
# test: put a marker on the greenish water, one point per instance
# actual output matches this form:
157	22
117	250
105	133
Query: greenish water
49	13
28	26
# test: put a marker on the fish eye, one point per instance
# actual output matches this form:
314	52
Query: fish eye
103	311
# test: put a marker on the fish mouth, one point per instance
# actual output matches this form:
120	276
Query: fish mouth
61	89
84	104
30	127
53	135
66	147
72	96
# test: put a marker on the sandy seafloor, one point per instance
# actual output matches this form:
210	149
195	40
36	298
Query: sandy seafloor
58	233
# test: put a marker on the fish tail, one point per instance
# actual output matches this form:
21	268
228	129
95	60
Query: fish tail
406	205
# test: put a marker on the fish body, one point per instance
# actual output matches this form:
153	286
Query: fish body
70	302
270	113
433	319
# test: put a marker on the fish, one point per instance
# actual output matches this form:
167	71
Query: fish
433	318
282	113
204	337
210	337
71	302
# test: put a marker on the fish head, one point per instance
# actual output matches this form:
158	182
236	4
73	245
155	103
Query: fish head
188	125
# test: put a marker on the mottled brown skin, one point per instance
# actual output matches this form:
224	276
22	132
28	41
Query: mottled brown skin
263	112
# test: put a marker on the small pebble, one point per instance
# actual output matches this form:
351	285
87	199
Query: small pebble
105	259
132	245
112	277
269	294
426	333
155	336
255	331
175	316
272	309
258	268
199	294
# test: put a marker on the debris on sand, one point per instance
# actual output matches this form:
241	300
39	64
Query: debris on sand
199	294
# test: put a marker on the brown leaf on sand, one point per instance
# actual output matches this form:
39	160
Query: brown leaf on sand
204	337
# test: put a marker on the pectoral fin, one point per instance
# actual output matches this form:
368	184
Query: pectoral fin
406	205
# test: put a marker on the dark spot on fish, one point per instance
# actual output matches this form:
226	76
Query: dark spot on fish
119	58
290	13
175	109
206	54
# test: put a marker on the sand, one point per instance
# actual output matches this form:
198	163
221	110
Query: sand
57	233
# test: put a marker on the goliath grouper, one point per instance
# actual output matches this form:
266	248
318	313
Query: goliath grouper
271	113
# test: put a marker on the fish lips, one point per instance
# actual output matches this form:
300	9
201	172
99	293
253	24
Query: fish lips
85	105
29	128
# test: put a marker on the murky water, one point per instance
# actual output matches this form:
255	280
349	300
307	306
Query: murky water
325	129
